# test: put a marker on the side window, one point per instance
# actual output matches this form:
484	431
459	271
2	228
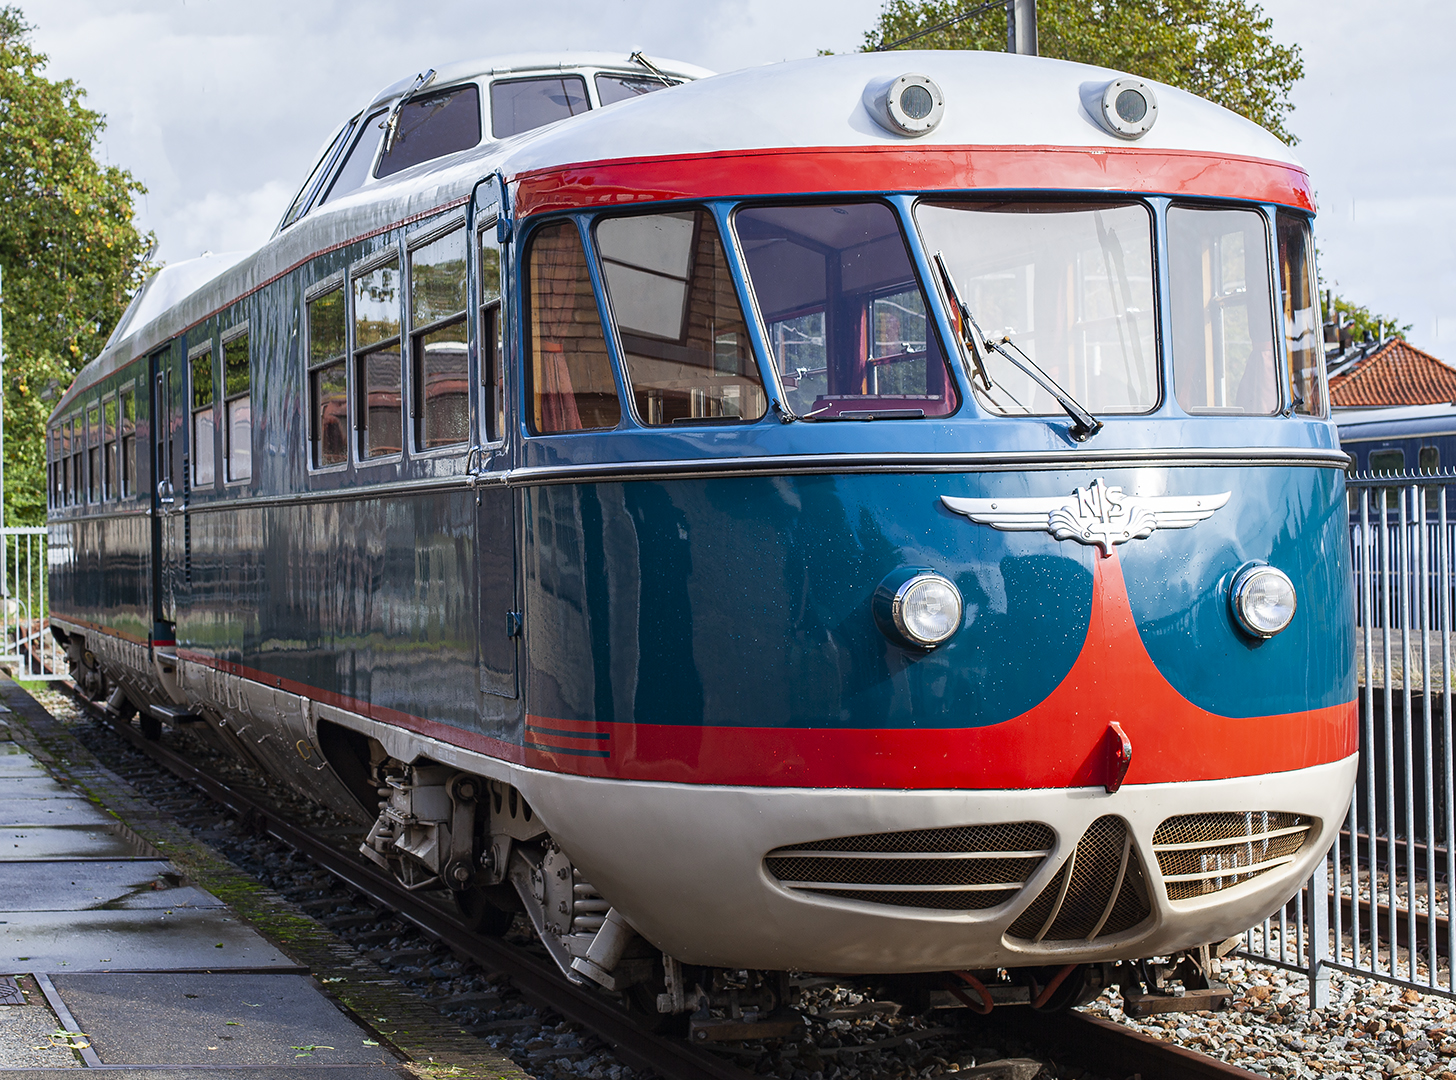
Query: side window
678	318
328	384
1387	462
439	352
572	388
237	405
492	329
127	408
518	105
1303	337
74	438
204	423
355	169
377	378
53	473
305	193
431	126
93	454
1222	339
614	88
112	489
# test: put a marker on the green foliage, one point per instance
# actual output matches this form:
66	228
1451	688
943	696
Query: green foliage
70	252
1359	319
1222	50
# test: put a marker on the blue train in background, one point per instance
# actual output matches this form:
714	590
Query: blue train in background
876	514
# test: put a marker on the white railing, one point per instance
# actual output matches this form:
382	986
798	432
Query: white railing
29	649
1380	903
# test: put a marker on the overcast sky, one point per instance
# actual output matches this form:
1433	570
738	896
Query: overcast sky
219	107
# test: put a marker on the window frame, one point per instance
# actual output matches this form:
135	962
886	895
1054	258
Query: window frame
411	353
126	440
110	444
737	279
194	410
75	444
237	330
93	451
490	321
358	384
312	438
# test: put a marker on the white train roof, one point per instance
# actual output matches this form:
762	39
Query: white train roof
991	100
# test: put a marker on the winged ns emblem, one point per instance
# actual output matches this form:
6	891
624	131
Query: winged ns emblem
1097	514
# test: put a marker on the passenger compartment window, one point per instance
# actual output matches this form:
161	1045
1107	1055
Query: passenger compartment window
845	313
492	370
110	488
679	320
238	405
518	105
1223	328
572	388
75	485
328	385
128	442
204	423
1303	336
355	169
93	454
439	351
1071	286
431	126
377	374
1387	462
614	88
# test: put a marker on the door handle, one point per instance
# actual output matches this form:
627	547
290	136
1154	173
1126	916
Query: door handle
164	494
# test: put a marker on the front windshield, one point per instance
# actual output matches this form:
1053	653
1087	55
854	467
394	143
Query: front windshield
845	315
1070	284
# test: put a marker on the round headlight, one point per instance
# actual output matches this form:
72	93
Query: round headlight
1129	108
918	607
1263	600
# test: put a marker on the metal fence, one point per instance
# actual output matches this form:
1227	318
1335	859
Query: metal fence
29	649
1379	905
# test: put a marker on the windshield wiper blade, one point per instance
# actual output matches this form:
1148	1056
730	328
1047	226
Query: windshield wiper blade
638	58
391	126
1085	424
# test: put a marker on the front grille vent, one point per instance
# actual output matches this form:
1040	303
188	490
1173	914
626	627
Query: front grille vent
972	867
1205	853
1100	890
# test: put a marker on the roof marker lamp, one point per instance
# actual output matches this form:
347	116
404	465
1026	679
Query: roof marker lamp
910	105
1262	599
1129	108
918	608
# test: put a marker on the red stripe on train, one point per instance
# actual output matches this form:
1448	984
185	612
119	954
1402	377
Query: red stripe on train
1061	742
878	169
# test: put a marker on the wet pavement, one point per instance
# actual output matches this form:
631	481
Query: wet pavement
115	961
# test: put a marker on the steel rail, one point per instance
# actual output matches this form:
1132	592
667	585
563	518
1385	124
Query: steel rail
538	981
1082	1037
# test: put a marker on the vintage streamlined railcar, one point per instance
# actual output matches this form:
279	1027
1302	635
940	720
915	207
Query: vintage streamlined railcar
871	514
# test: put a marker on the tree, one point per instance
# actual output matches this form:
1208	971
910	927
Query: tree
1222	50
1359	320
70	252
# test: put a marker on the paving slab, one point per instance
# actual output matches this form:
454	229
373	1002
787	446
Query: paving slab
104	840
79	886
32	786
214	1020
167	939
68	808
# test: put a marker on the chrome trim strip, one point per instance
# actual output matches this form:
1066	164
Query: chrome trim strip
860	886
1252	838
809	853
1231	871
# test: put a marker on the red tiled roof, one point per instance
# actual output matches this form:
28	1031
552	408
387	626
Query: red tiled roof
1395	374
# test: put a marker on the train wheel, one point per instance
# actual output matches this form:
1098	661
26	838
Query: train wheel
483	910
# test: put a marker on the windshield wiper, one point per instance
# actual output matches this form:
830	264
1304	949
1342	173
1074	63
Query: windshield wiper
391	126
638	58
1085	426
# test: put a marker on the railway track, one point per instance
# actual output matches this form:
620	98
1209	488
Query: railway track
1102	1048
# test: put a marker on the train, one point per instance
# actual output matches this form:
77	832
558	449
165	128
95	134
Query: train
873	515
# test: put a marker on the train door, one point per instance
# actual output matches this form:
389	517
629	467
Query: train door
498	604
166	550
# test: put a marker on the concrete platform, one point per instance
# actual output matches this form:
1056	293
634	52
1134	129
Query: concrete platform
107	938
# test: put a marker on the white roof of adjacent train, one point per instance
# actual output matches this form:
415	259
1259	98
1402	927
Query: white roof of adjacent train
992	100
1396	421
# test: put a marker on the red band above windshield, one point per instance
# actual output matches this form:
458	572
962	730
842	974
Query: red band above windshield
879	169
